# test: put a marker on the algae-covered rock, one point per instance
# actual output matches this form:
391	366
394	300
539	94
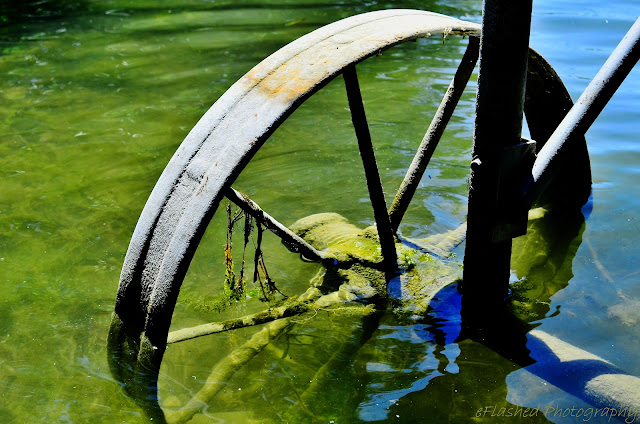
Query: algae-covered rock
334	235
357	273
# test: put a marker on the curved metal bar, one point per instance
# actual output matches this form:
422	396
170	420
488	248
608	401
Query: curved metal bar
219	147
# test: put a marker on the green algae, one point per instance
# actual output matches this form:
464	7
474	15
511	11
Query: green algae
358	262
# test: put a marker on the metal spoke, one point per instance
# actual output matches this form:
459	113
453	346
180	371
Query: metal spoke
287	236
372	175
434	133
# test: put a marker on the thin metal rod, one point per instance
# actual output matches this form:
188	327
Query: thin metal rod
287	236
434	133
584	112
376	193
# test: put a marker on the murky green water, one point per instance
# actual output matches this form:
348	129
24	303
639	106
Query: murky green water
96	97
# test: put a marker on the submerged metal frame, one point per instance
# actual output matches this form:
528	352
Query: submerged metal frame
218	148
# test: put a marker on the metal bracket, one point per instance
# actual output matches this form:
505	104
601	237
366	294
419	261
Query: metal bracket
511	211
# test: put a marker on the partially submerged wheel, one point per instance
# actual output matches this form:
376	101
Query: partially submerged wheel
225	139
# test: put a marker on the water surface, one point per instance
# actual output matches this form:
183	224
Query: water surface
96	97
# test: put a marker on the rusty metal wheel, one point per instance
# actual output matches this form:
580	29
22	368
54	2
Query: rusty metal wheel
225	139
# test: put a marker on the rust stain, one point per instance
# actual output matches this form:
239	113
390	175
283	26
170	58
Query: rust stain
287	82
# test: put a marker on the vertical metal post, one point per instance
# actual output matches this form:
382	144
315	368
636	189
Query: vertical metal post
499	111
